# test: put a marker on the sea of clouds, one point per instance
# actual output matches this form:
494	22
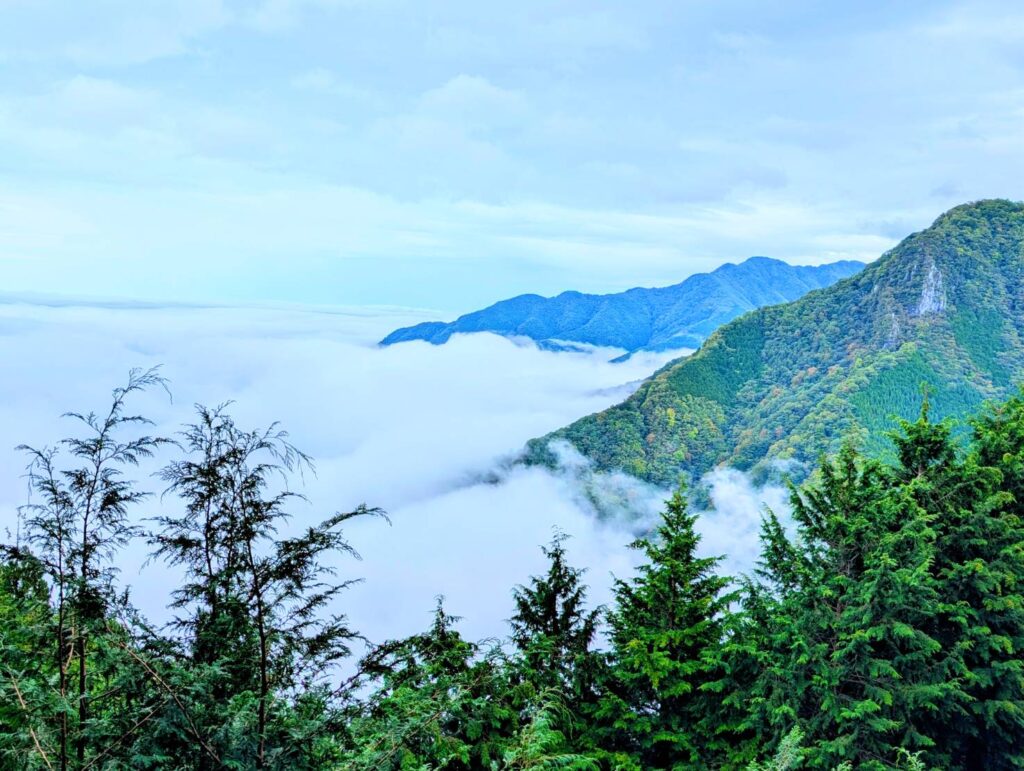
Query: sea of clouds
424	432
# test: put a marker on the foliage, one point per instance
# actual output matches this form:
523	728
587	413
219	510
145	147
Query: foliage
543	746
552	628
882	629
242	684
666	629
787	757
435	701
792	381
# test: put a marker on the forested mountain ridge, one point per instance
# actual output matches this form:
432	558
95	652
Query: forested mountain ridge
659	319
944	309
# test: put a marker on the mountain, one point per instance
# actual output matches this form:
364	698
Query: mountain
666	318
943	310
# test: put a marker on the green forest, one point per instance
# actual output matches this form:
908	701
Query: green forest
787	382
881	629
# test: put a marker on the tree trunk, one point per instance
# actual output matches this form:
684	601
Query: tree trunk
83	703
62	648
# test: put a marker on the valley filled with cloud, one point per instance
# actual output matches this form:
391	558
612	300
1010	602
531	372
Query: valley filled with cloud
426	433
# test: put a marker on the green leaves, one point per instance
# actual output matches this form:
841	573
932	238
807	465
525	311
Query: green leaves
793	381
665	629
552	628
883	628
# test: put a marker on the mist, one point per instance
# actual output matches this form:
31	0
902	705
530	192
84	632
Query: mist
424	432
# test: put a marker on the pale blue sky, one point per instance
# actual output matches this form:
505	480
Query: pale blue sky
448	154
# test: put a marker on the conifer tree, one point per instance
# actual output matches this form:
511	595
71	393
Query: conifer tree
25	669
883	628
437	701
980	563
666	627
552	628
257	605
76	525
543	744
848	654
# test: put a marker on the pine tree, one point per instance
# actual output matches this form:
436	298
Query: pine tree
666	627
437	701
552	628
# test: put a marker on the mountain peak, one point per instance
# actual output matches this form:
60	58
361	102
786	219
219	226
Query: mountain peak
666	318
943	309
992	209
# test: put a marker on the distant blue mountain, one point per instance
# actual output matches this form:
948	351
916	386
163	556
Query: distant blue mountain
666	318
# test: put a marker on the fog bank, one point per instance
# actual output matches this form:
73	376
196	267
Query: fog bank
412	428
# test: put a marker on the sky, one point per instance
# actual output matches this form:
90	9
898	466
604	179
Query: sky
447	155
422	431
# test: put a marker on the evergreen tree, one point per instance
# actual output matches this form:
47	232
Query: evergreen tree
882	629
542	744
980	562
438	702
75	526
847	612
666	628
256	604
26	741
553	630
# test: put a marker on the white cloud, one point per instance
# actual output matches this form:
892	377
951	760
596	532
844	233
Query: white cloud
558	147
988	23
592	31
403	427
732	527
473	545
83	92
469	100
333	244
321	80
271	16
107	32
419	430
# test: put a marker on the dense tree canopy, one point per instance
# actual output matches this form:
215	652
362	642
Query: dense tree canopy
793	380
883	627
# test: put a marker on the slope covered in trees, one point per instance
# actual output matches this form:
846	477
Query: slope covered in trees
662	319
882	629
945	308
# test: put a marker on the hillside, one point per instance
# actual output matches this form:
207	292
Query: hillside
666	318
944	308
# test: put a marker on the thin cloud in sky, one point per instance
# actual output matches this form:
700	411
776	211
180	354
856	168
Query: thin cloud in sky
451	155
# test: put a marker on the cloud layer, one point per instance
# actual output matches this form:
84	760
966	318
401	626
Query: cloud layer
421	431
347	151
